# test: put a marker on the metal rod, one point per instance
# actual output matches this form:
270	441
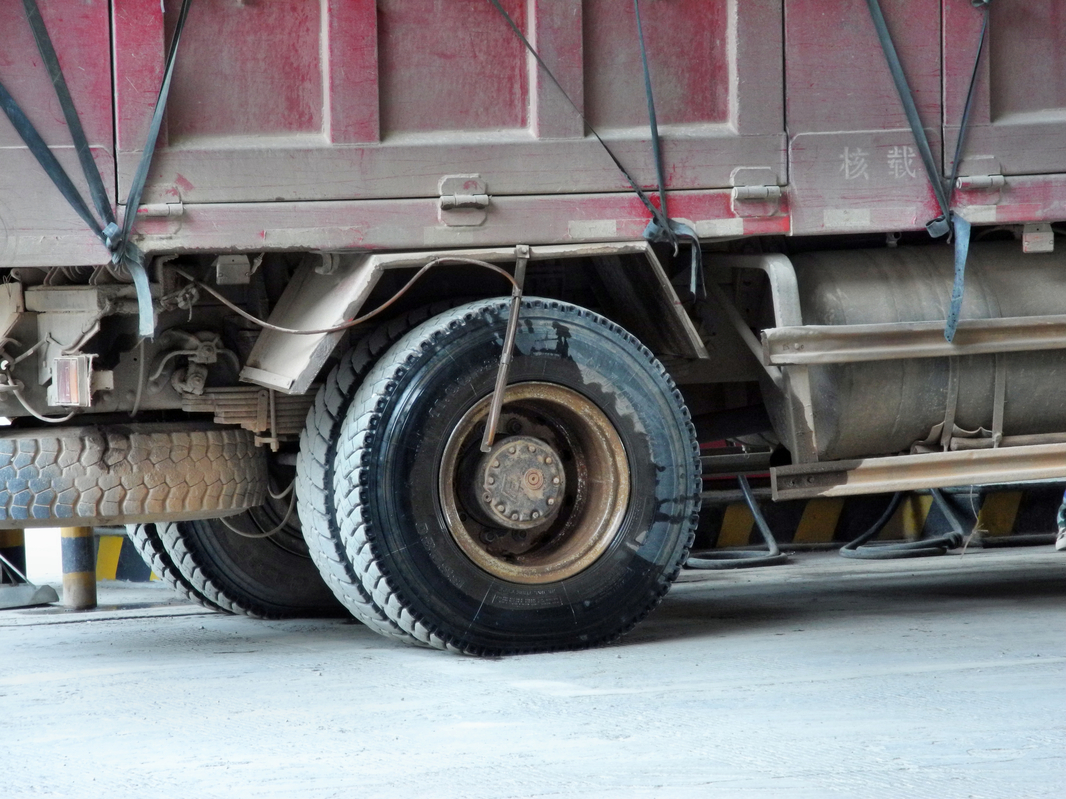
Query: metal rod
910	472
521	259
823	344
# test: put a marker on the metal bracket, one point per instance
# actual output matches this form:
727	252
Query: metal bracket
978	182
463	200
755	192
521	259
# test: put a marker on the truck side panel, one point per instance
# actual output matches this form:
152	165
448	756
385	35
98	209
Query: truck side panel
37	226
306	100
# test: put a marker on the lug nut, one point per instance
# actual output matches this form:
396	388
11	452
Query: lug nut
551	500
491	481
501	507
514	517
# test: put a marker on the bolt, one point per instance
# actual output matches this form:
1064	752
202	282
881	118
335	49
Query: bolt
555	480
501	507
488	497
532	448
514	517
495	464
512	450
548	459
551	500
536	514
491	481
488	537
519	535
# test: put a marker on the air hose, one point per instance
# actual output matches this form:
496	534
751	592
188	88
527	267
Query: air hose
742	559
860	549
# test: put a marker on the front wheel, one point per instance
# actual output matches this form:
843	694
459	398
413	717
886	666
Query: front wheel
568	532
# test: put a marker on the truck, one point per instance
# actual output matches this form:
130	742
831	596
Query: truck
420	309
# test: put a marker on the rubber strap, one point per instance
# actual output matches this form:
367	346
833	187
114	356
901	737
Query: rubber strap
672	232
941	225
661	228
114	238
962	250
655	212
127	254
947	222
70	113
653	122
37	147
960	225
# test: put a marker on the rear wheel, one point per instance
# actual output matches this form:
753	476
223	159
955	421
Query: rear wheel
239	566
314	469
145	538
568	532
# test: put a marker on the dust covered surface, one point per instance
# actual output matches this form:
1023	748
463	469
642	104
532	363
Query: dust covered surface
822	678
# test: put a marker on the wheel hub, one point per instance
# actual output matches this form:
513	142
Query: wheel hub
521	482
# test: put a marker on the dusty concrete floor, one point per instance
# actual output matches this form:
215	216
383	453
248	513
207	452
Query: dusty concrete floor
824	678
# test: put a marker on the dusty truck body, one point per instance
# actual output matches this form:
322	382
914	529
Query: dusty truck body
471	470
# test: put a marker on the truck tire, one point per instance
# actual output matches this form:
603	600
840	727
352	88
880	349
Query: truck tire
120	474
146	540
255	577
314	468
573	527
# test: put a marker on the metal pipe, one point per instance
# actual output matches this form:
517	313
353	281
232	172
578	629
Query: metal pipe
521	259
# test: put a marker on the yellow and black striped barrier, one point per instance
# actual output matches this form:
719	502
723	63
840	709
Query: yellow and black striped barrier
1000	515
117	559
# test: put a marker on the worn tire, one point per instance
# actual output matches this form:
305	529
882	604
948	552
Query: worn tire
150	547
314	469
121	474
389	485
247	576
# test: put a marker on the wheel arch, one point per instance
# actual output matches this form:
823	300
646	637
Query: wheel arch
329	288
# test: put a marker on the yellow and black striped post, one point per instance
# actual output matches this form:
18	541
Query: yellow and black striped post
79	568
13	548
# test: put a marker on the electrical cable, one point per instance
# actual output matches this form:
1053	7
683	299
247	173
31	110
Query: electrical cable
281	524
359	319
17	391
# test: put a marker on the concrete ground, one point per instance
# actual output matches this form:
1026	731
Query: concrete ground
940	678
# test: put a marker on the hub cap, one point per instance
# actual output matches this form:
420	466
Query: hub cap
549	498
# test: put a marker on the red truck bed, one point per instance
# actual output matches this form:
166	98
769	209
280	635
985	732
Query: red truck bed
307	124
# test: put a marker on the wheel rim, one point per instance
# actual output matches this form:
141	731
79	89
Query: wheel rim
552	444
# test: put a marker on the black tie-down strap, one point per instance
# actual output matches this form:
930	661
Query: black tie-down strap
948	222
661	228
116	239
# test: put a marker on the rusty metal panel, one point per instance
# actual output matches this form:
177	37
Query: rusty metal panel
37	226
1018	124
853	162
302	100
